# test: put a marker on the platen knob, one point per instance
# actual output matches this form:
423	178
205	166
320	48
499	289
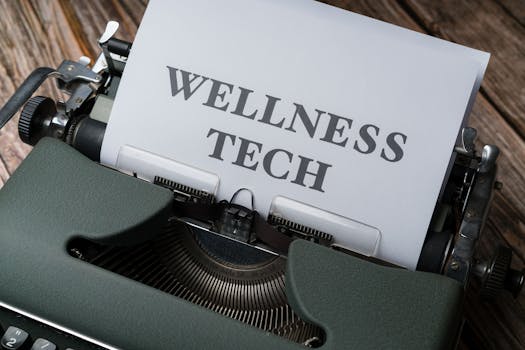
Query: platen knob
497	275
37	112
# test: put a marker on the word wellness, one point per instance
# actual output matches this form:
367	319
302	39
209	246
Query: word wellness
334	132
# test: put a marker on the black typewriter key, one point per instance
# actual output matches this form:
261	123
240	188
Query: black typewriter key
43	344
13	338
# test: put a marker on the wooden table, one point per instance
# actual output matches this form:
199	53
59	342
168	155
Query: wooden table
37	33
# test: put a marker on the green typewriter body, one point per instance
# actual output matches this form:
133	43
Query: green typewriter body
93	258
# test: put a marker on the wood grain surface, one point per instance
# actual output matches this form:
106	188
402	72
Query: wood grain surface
42	33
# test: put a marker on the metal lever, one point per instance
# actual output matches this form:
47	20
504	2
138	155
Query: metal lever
111	29
488	158
24	92
468	136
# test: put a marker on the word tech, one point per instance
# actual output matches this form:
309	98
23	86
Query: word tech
321	126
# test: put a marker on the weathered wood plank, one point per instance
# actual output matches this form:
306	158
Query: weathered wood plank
384	10
88	22
515	9
487	26
32	35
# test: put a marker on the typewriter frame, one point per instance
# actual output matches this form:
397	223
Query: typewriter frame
458	219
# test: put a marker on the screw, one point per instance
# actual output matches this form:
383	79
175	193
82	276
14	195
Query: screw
454	265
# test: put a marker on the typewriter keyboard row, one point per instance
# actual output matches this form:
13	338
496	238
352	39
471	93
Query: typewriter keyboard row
16	338
23	332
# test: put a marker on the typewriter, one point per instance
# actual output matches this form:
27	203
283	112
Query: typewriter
93	258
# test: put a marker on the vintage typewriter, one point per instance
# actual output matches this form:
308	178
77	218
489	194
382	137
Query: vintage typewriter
93	258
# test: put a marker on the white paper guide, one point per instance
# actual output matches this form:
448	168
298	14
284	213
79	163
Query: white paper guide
301	100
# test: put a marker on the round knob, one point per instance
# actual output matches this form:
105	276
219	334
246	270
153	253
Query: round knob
494	277
36	111
497	275
514	281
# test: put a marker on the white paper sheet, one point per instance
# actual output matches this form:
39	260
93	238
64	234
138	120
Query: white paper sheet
305	59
